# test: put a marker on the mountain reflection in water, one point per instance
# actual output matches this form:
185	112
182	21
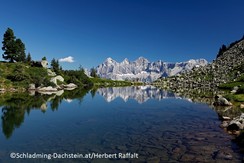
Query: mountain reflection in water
139	93
167	129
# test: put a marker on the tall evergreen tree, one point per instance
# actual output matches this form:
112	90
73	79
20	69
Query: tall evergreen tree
221	50
9	45
14	49
93	73
28	58
19	51
81	69
55	65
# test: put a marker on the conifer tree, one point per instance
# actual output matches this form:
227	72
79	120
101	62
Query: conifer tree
9	45
14	49
20	55
55	65
28	58
94	72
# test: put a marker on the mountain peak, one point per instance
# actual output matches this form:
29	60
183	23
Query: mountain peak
192	60
142	59
109	60
125	61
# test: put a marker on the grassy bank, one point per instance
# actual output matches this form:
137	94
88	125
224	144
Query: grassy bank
237	85
100	82
20	75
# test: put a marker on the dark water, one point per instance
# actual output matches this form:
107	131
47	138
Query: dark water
154	125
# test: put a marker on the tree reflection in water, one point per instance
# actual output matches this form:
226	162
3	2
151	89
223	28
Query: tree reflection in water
14	106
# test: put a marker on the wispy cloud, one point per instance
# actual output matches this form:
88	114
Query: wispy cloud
68	59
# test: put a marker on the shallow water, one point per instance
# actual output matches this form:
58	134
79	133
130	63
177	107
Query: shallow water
154	125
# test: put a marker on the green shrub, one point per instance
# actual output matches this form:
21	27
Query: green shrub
77	77
17	76
241	79
46	82
235	97
240	90
230	85
239	97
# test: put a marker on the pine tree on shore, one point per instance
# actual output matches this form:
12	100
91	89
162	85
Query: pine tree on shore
9	45
14	49
19	51
28	58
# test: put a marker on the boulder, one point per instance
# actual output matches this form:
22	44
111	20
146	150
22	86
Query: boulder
222	117
242	106
12	90
32	92
69	86
44	63
46	93
237	123
236	88
221	101
222	155
60	92
44	107
242	116
50	73
47	89
54	79
225	118
224	124
32	87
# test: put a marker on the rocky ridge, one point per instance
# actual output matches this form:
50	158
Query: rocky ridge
226	68
144	70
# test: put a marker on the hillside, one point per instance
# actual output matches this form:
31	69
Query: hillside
228	67
19	72
19	76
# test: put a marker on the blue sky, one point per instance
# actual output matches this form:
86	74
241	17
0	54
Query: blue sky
89	31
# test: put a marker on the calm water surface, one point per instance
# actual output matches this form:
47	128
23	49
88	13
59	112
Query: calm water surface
156	125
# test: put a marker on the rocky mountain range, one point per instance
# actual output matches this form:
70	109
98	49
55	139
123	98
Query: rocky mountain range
144	70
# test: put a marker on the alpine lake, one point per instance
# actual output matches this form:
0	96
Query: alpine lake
120	124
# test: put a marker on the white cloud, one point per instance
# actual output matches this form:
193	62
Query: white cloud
68	59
